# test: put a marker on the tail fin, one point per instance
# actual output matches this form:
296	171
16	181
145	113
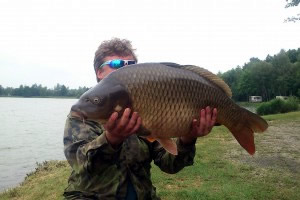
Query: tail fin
244	130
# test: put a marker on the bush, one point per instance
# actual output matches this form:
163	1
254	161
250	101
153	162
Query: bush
278	106
290	105
263	108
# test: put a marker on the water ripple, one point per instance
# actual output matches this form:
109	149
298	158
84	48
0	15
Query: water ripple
31	131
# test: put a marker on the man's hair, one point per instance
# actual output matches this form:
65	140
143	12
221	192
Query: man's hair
115	46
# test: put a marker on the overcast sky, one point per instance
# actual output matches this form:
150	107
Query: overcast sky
54	41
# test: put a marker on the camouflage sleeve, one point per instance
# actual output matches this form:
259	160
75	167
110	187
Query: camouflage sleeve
172	164
83	141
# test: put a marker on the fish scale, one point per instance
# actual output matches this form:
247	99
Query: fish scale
167	104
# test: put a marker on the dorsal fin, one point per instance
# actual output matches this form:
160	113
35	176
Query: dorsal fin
210	76
171	64
204	73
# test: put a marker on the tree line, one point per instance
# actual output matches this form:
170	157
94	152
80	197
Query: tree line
277	75
38	90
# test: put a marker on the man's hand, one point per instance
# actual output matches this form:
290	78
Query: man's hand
117	130
202	126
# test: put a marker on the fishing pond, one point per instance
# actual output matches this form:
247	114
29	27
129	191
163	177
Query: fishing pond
31	132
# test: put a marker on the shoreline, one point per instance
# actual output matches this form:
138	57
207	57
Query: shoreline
39	166
44	177
221	165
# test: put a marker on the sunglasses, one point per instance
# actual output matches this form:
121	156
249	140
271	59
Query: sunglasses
118	63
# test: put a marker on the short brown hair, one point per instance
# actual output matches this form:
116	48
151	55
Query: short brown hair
115	46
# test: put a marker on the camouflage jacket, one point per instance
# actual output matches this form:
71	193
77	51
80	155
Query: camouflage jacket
102	172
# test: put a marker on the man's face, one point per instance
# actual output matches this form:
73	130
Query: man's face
105	70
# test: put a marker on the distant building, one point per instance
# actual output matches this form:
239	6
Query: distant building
282	97
255	98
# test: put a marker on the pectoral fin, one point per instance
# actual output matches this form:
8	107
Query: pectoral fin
169	145
150	139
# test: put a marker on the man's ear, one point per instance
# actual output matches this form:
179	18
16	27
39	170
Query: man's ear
100	74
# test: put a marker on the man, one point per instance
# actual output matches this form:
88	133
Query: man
112	162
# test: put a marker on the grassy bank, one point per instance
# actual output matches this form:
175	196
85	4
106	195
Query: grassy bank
249	104
222	169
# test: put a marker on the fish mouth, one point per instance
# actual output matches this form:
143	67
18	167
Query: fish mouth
79	114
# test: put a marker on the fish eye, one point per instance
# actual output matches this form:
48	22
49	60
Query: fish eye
96	100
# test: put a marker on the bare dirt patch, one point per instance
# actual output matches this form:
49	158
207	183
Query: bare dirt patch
278	147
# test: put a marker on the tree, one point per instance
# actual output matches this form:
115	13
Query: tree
292	54
1	91
292	3
277	75
295	79
63	90
18	91
34	90
256	80
269	58
60	90
282	70
232	78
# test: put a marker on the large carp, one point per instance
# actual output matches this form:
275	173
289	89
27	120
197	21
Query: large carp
168	97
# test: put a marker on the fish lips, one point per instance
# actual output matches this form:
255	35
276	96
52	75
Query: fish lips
78	113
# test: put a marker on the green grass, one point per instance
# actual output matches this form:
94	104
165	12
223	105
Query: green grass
249	104
291	116
213	176
222	170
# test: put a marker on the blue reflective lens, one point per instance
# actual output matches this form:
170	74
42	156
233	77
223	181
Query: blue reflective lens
116	64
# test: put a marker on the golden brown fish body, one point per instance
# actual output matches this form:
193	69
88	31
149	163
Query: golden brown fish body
169	96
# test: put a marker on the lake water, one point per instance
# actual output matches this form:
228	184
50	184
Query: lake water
31	131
